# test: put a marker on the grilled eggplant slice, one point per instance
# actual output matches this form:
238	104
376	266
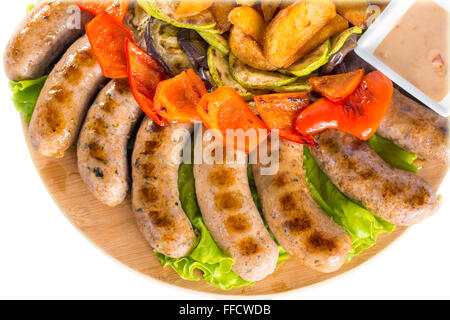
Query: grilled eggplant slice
163	46
196	49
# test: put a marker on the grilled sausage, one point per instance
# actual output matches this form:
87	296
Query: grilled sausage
232	218
297	222
102	145
42	37
397	196
416	128
155	196
62	104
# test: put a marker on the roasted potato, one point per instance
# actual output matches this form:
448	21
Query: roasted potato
249	21
293	27
334	27
248	51
269	7
221	10
354	11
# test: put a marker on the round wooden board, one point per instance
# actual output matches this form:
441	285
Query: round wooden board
114	230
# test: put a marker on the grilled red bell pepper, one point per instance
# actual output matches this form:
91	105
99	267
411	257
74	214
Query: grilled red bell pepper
144	74
224	109
107	37
359	114
279	111
337	87
116	8
176	99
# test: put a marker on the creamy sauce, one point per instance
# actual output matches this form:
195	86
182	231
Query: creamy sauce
417	48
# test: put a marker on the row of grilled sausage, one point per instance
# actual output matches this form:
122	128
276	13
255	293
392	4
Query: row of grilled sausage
65	114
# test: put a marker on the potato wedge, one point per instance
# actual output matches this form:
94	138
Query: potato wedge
354	11
221	10
334	27
248	51
269	7
249	21
293	27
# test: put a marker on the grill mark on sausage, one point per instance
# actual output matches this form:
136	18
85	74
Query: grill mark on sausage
100	127
230	201
237	224
281	180
150	147
418	199
54	118
249	246
222	177
299	224
109	105
288	202
96	151
319	242
149	194
59	94
160	219
148	170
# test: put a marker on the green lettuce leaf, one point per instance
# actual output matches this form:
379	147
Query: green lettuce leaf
207	257
25	94
362	226
282	254
392	154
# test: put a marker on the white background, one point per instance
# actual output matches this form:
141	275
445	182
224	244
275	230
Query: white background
43	256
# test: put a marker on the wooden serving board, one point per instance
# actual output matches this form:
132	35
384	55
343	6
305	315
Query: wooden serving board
114	231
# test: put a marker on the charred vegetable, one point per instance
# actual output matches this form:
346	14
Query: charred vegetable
252	78
342	45
163	46
312	61
220	72
196	49
215	40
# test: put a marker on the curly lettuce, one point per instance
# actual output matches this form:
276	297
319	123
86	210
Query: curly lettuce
25	95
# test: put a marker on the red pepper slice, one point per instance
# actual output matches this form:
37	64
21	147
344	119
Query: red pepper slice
338	86
107	38
359	114
144	74
116	8
279	111
224	109
176	99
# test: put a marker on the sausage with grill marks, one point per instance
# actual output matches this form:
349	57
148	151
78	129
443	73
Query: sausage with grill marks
42	37
233	220
298	223
102	145
64	100
416	128
398	196
155	195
